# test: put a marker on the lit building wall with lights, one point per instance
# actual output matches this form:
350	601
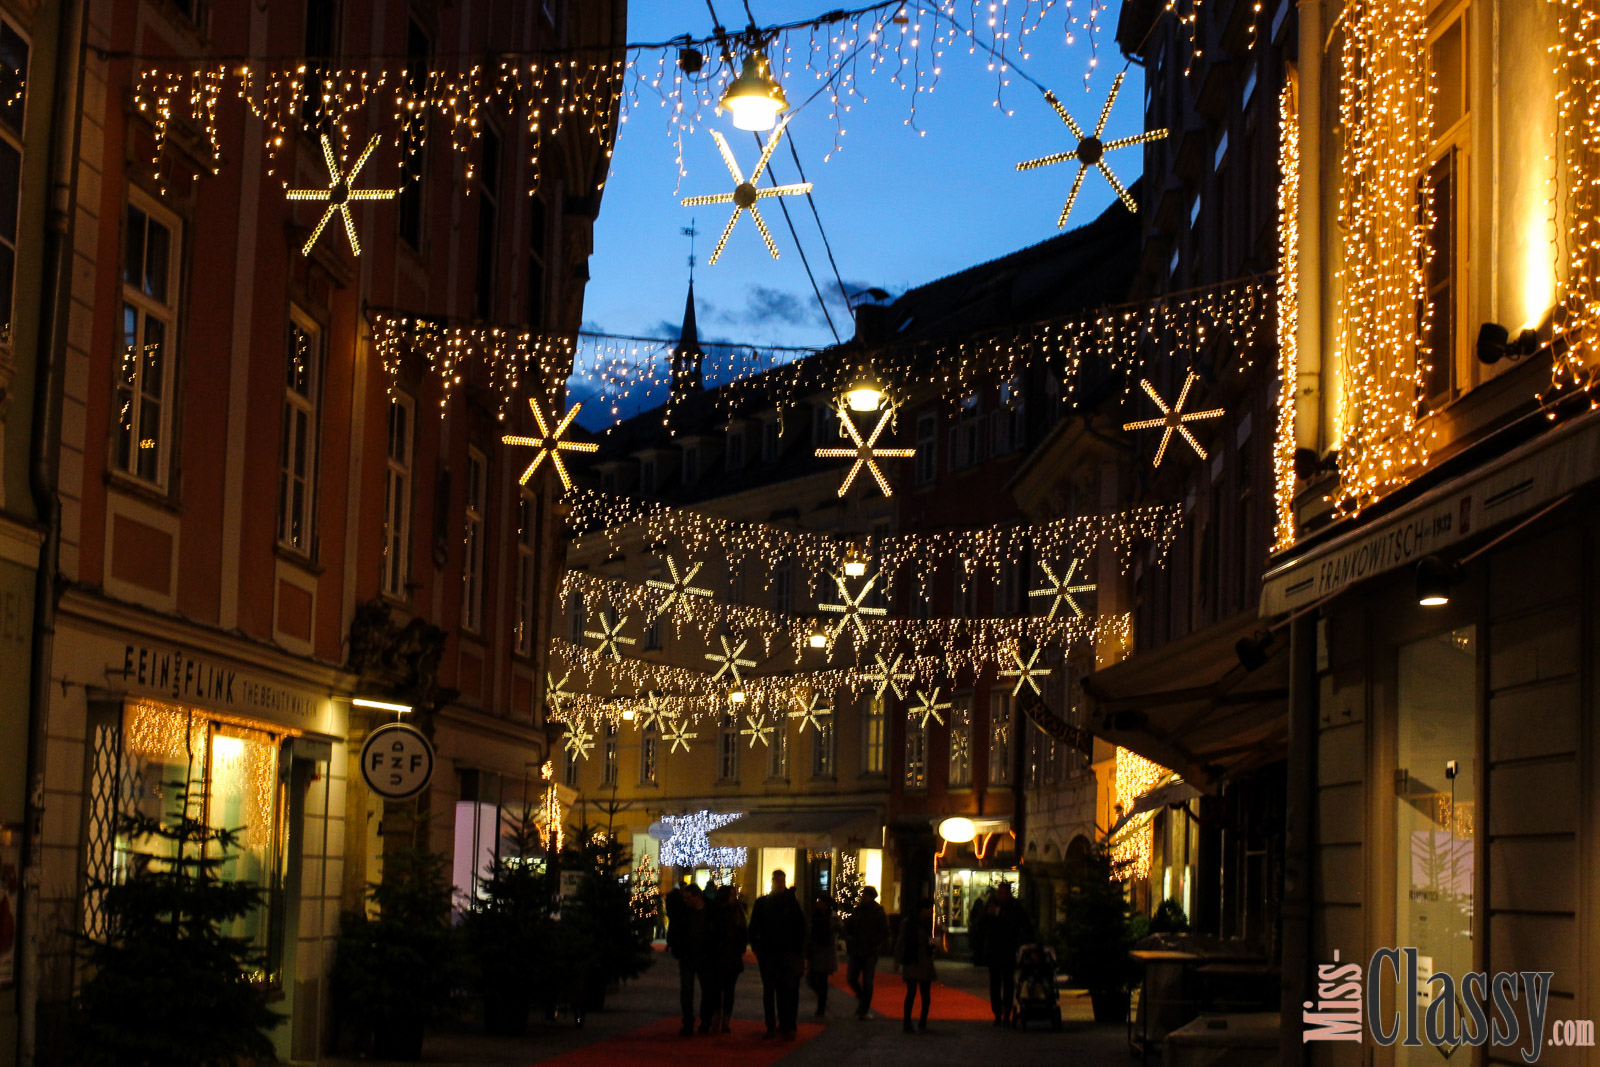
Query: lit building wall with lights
258	521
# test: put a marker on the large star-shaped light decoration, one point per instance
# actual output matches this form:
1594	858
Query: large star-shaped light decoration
1173	418
579	741
678	589
1091	151
758	730
729	660
653	714
866	453
677	735
812	709
888	676
556	693
853	608
1062	589
338	194
610	637
1027	673
550	443
745	194
929	707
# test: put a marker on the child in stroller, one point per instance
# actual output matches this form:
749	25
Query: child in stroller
1037	998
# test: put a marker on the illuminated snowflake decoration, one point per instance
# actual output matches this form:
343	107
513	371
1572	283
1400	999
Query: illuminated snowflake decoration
339	194
687	844
729	660
652	714
556	694
928	707
811	710
610	637
888	676
579	741
852	609
758	730
1027	672
866	452
1173	418
678	589
1062	589
549	443
745	193
1091	151
677	735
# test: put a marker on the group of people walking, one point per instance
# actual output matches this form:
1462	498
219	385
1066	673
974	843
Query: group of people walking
707	933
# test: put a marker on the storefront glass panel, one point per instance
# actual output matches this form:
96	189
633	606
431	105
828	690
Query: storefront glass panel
1436	811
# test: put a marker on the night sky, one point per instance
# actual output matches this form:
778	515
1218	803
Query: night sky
899	209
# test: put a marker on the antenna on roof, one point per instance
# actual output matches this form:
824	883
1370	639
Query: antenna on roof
691	233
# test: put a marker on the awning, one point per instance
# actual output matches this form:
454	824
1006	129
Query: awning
1171	790
1508	487
804	828
1191	706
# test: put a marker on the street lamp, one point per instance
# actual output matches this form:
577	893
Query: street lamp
754	99
817	637
855	562
865	393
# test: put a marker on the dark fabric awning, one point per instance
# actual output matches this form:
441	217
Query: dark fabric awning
804	828
1190	705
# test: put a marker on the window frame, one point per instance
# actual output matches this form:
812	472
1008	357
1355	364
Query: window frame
310	408
395	561
960	742
874	736
527	573
1451	146
728	747
169	314
475	520
16	139
927	446
1002	739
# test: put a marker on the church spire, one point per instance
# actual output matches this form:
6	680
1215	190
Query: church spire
687	359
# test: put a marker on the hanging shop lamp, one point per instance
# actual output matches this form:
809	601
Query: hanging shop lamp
754	100
1435	576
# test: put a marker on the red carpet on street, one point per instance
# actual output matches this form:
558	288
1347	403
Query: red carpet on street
660	1043
889	996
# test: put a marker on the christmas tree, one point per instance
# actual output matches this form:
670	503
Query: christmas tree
847	891
646	898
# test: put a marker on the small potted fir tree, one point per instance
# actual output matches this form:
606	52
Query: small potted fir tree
1097	933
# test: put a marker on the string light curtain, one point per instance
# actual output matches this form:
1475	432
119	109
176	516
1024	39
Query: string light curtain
1384	115
1577	315
1283	443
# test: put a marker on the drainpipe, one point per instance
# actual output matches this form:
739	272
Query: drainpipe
1310	431
1298	846
55	267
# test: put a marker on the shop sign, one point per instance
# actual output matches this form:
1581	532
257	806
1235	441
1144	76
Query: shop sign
396	761
172	674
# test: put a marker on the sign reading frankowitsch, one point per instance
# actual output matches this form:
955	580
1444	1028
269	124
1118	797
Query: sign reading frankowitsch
396	761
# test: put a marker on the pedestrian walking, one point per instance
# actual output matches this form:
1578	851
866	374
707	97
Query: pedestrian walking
913	951
689	941
731	935
778	936
865	932
822	951
1000	925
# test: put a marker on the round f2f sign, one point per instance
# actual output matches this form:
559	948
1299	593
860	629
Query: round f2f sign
396	761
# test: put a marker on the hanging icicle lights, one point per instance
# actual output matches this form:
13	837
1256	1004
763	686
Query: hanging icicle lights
834	54
1576	317
624	369
597	518
1283	440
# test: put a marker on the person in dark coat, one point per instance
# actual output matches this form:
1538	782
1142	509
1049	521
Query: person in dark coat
689	941
865	931
778	936
730	936
822	950
913	953
1000	926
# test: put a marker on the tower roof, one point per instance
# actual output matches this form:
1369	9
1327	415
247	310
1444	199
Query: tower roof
689	337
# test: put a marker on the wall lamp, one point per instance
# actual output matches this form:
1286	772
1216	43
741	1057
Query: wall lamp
381	705
1496	343
1435	576
1253	651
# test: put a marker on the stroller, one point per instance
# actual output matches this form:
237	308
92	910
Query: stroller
1037	998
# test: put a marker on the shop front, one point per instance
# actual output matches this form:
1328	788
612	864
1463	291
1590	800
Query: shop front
244	740
967	869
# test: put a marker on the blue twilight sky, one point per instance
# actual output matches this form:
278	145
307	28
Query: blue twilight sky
899	209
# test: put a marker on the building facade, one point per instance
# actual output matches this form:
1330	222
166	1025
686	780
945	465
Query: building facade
264	513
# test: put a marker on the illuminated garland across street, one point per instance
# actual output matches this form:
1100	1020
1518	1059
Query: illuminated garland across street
617	689
619	522
595	90
777	629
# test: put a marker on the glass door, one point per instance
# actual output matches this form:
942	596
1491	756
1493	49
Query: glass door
1435	776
